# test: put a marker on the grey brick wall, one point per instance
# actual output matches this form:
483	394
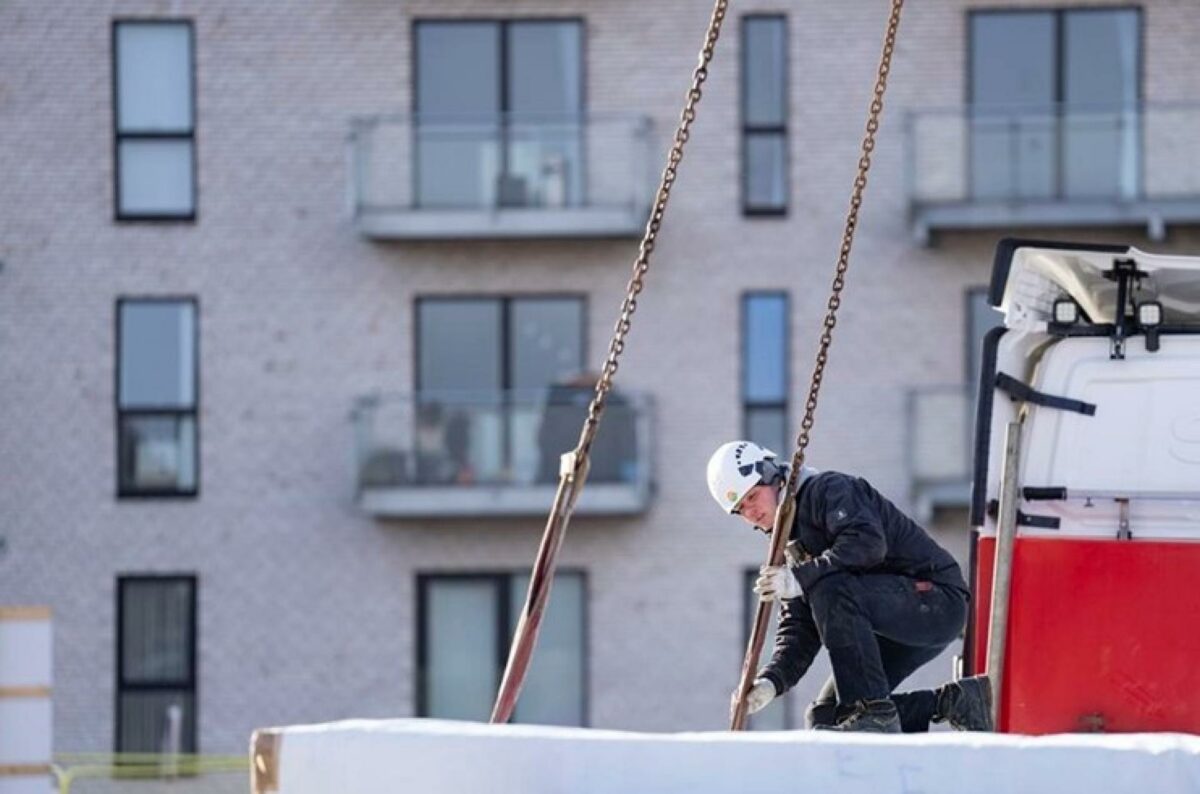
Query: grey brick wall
307	606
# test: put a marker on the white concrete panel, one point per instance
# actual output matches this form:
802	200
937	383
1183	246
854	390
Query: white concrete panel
33	784
439	756
25	735
26	656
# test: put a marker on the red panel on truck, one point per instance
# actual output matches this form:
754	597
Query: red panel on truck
1104	635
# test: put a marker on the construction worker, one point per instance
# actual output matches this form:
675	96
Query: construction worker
865	581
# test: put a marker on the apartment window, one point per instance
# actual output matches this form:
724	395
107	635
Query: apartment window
154	120
765	184
156	664
765	370
484	366
777	716
157	390
1054	100
466	626
499	113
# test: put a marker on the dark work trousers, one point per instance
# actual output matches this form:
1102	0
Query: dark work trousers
878	629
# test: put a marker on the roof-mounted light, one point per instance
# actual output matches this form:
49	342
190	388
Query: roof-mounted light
1150	314
1066	312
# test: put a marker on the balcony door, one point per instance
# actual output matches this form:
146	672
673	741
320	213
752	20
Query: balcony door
465	624
483	368
1054	104
499	113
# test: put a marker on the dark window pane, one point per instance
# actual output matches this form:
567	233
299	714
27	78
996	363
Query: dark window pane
1013	155
765	332
766	170
546	339
156	177
460	345
461	669
767	427
458	109
460	420
458	163
614	455
157	362
764	57
545	96
553	691
544	69
1101	58
154	80
156	625
156	679
1100	138
158	452
458	69
1014	121
157	721
1012	60
462	654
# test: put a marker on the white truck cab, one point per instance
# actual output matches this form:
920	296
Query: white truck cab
1092	388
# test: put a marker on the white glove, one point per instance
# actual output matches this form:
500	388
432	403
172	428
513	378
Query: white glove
777	582
762	693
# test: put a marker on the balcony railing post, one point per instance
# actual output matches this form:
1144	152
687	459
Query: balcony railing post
1014	156
910	156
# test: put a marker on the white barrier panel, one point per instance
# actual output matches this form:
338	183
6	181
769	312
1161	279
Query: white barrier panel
434	756
26	665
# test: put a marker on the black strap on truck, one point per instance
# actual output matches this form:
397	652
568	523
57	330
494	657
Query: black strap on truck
1018	390
1025	519
1048	493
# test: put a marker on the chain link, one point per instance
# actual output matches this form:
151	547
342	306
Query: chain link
641	265
843	262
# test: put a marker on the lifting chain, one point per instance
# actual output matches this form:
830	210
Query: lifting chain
573	471
781	531
642	264
843	263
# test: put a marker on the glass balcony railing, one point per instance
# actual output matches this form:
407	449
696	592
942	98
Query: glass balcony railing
462	454
500	176
940	429
973	167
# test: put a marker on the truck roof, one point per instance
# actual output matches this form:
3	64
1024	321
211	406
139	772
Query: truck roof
1029	275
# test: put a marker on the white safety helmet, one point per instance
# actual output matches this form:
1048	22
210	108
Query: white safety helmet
735	468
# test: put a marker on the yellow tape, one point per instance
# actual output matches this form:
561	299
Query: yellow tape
24	770
24	613
24	692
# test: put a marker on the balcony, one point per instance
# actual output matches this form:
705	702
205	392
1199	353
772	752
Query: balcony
940	420
1062	167
500	177
497	454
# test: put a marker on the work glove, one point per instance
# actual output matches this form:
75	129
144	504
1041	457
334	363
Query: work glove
761	693
777	582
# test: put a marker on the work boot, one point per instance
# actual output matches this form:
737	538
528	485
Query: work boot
869	716
966	704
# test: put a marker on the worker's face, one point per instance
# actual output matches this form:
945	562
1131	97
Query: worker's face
758	507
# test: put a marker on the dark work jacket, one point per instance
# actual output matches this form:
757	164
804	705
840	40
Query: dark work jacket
843	525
